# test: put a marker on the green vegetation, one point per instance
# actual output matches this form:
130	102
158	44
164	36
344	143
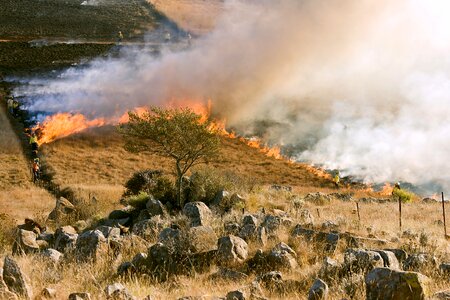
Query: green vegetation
179	134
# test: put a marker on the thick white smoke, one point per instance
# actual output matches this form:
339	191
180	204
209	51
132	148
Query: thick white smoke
362	86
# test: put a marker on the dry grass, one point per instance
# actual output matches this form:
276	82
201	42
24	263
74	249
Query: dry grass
197	16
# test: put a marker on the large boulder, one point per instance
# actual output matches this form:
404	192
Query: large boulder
175	239
155	208
25	242
282	257
198	213
160	262
385	283
149	229
389	259
15	279
62	208
90	245
202	239
65	238
318	291
356	260
232	250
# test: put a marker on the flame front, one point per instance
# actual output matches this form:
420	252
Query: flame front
63	124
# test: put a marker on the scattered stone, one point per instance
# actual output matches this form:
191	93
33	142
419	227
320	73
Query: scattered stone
80	226
80	296
48	293
317	198
65	238
174	239
445	268
231	250
90	245
32	225
52	255
250	220
63	207
419	262
25	242
117	291
330	240
271	223
220	198
318	291
356	260
271	280
198	213
384	283
15	280
330	269
305	217
109	232
160	264
400	254
341	197
329	225
120	214
139	260
232	228
228	275
156	208
202	239
149	229
389	259
237	295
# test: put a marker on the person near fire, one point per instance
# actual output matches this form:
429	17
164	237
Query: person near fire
34	142
336	179
36	166
9	103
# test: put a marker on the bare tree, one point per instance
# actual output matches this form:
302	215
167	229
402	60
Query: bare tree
180	134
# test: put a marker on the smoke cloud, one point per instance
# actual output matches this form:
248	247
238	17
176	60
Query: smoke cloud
362	86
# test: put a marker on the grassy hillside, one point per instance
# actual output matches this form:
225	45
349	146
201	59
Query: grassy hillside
19	198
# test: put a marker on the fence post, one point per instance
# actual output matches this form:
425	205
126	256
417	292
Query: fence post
443	214
359	216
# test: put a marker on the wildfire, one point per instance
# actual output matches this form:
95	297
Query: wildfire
64	124
386	190
254	142
319	172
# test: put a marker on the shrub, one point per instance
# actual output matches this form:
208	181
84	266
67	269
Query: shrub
404	195
163	190
138	201
142	181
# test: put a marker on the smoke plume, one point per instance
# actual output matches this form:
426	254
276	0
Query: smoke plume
362	86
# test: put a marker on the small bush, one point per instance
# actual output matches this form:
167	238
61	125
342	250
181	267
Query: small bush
142	181
163	190
404	195
138	201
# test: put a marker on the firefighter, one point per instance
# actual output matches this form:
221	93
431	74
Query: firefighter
34	142
15	108
9	103
336	179
119	37
36	167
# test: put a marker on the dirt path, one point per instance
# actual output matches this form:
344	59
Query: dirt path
19	198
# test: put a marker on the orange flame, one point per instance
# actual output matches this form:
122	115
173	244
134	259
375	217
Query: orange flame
63	124
386	190
319	172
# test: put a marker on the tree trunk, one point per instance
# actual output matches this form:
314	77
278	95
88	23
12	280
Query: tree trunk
179	186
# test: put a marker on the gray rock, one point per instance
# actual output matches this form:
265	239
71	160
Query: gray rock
15	279
445	268
160	263
198	213
232	228
156	208
330	240
220	197
389	259
149	229
80	296
418	262
91	245
48	293
109	232
52	255
305	217
384	283
202	239
330	269
271	280
117	291
120	214
237	295
139	260
25	242
282	257
232	250
250	220
62	208
174	239
271	223
65	238
400	254
317	198
356	260
318	291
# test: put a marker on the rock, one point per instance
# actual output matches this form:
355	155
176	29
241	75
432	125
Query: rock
80	225
109	232
356	260
120	214
389	259
220	197
160	263
400	254
202	239
25	242
258	263
329	225
232	228
277	187
318	291
419	262
317	198
117	291
15	280
63	207
32	225
251	233
237	295
445	268
139	260
149	229
228	275
330	240
271	280
46	236
271	223
174	239
42	244
90	245
231	250
7	295
156	208
80	296
305	217
330	269
125	268
198	213
52	255
341	197
48	293
65	238
250	220
282	257
442	295
384	283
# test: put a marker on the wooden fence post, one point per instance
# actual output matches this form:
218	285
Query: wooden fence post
400	213
443	214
